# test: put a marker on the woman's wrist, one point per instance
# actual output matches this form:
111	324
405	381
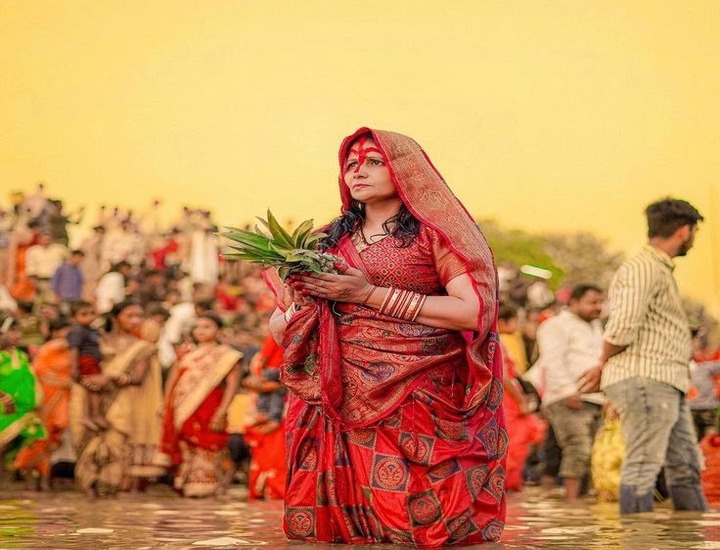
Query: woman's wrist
367	296
402	304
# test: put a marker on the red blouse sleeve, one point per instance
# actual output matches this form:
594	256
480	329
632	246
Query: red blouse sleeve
447	264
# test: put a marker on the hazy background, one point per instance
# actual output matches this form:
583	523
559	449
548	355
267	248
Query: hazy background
545	115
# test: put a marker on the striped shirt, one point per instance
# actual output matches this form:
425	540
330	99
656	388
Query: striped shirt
647	315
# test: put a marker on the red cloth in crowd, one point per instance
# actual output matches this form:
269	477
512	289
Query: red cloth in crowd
523	432
710	446
272	352
88	366
159	255
268	471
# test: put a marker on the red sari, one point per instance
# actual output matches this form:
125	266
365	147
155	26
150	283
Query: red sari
395	429
199	454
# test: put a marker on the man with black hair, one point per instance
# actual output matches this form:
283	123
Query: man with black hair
67	281
570	344
644	367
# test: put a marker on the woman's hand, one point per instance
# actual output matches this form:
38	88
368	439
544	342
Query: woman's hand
350	285
217	423
297	295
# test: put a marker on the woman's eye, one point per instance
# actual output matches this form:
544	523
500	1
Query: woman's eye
375	162
350	165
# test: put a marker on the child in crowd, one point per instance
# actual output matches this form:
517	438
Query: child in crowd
265	380
84	341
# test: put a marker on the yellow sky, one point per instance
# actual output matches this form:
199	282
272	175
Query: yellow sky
543	114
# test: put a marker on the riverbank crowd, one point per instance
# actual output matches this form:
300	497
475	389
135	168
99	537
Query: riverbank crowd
189	392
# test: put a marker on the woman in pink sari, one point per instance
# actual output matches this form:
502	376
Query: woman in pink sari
395	426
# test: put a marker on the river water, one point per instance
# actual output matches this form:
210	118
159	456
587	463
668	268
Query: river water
159	519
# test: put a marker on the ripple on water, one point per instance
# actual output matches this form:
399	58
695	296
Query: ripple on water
160	520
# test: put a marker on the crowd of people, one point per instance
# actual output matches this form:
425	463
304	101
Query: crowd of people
138	356
418	386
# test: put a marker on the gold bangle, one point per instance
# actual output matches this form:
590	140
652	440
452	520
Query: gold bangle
394	306
412	301
397	293
386	299
418	307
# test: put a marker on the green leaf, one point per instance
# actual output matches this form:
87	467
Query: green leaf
301	233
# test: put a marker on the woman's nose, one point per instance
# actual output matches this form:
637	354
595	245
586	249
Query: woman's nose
359	171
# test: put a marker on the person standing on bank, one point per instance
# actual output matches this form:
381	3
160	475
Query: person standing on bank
395	424
644	367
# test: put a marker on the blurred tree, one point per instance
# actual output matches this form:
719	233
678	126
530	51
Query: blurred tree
571	258
521	247
583	258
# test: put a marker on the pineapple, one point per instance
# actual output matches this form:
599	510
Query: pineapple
275	247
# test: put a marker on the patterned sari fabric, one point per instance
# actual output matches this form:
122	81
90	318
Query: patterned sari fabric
52	369
199	454
130	448
395	431
22	427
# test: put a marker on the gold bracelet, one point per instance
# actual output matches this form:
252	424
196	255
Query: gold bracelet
418	307
386	299
397	294
407	305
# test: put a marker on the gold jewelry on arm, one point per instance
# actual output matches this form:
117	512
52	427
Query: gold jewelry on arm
389	293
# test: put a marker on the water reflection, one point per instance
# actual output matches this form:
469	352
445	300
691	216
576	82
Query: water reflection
160	520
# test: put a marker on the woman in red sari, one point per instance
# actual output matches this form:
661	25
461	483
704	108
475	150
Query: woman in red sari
198	394
395	426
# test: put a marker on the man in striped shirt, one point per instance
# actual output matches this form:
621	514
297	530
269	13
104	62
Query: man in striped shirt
644	367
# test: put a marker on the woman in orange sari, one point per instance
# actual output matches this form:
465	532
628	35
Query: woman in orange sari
395	426
198	394
52	369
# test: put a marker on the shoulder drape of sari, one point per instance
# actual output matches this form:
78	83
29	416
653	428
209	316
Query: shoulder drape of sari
212	366
187	439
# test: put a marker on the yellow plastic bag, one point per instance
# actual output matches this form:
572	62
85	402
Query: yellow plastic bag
606	461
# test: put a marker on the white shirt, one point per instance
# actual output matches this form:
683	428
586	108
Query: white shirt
569	347
182	320
43	261
110	291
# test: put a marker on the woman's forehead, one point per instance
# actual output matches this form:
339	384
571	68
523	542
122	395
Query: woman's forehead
362	145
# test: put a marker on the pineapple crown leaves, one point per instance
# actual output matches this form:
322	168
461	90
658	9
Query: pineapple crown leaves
273	246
